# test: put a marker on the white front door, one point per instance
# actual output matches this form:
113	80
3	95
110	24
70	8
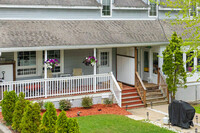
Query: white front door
104	60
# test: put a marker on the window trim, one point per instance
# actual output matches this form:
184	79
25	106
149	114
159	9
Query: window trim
110	10
149	9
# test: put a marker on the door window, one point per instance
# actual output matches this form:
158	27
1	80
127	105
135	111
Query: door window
104	59
146	61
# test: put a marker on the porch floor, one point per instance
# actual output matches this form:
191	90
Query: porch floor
150	86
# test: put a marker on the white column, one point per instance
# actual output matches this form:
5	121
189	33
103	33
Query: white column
184	60
150	64
0	54
95	70
45	72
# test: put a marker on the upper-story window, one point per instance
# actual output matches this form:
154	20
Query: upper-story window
153	8
193	10
106	9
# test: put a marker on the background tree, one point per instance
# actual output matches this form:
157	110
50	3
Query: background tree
49	120
173	65
8	106
18	112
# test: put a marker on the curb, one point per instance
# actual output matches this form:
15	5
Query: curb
4	129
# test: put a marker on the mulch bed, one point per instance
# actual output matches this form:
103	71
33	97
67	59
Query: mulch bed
95	110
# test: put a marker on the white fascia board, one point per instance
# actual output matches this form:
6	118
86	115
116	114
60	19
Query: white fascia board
102	18
130	8
169	9
15	49
49	7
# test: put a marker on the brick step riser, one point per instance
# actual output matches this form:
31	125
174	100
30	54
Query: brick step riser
126	91
130	99
129	95
132	103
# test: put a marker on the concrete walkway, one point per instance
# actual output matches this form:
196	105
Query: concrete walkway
156	115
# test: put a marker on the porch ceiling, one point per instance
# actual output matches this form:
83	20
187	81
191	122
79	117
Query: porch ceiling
33	33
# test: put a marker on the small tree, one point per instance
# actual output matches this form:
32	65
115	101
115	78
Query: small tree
62	123
8	106
19	111
31	119
49	120
173	65
73	126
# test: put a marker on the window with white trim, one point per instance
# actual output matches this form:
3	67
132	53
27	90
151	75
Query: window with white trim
106	7
54	54
189	62
104	60
26	63
193	10
153	8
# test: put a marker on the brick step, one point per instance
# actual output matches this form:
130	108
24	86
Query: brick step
129	90
131	98
157	103
129	95
152	99
131	102
134	106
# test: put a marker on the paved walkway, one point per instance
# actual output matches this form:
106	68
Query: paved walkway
156	115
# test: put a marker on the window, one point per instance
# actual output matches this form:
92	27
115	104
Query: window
26	63
53	54
193	10
106	11
104	59
153	8
155	63
146	61
189	62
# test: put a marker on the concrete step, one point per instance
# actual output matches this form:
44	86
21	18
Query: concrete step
152	99
157	90
134	106
154	94
157	103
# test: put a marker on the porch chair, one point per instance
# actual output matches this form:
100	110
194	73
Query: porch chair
77	72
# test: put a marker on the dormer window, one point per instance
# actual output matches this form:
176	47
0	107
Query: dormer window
153	8
106	8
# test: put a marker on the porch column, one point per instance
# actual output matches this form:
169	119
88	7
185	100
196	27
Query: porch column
95	70
45	72
150	65
136	61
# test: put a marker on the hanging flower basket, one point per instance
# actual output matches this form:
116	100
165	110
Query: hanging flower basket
91	60
51	63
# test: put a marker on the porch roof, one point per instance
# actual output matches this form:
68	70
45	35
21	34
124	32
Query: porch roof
40	33
130	3
51	2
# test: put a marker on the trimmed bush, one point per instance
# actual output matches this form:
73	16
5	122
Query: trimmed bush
18	112
31	119
108	102
87	102
62	123
8	106
65	105
41	103
46	104
49	120
73	126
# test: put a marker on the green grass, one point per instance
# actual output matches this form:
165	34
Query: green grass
197	108
116	124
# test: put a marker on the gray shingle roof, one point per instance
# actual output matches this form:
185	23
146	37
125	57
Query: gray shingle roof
29	33
51	2
130	3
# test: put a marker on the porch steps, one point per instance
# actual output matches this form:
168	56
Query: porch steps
130	98
155	97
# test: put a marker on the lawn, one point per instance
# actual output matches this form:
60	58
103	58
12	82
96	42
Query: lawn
197	108
116	124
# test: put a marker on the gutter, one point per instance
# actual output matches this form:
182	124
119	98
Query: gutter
40	48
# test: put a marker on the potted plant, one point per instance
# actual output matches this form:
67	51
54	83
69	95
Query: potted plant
51	64
91	60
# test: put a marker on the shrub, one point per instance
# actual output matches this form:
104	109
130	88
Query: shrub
8	106
41	103
87	102
49	120
108	102
62	123
73	126
31	119
46	104
65	105
18	112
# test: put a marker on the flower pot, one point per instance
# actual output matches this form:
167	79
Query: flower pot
49	73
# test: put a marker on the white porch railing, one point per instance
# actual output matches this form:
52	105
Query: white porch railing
43	88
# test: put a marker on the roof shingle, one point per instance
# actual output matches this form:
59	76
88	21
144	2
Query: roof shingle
130	3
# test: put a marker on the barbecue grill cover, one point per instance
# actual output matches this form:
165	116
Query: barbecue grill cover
181	114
